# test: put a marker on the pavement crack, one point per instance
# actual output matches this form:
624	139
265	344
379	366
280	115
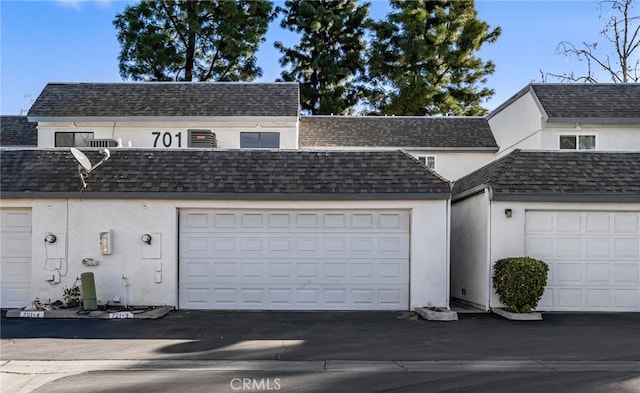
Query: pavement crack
400	365
540	362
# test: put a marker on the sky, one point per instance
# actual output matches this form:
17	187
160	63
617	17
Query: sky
75	41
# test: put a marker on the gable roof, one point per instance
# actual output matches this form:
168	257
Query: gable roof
556	176
164	99
210	174
614	103
17	131
451	133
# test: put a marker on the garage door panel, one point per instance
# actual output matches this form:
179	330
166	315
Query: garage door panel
625	248
626	298
626	273
626	223
568	222
598	274
295	260
594	259
597	223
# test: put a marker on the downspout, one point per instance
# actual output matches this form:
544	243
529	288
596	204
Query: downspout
488	192
448	254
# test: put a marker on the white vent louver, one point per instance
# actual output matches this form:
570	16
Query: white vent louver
203	139
103	143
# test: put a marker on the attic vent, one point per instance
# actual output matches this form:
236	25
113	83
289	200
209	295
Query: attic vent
202	138
103	143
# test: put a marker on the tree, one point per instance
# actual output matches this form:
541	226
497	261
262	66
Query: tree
329	57
166	40
621	35
422	59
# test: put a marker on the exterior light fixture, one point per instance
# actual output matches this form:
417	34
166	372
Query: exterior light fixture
50	238
508	213
146	238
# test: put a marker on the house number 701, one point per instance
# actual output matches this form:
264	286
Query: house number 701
167	139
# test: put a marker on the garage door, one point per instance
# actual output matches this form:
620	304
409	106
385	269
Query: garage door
294	260
15	258
594	259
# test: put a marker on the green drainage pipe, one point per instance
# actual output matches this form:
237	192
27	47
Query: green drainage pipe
89	301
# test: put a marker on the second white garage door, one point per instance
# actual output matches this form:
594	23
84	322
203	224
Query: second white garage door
593	257
294	260
15	258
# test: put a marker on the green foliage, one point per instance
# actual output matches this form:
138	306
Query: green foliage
71	296
165	40
520	282
422	59
329	56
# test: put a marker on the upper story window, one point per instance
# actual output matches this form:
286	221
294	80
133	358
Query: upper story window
73	139
429	161
577	142
259	140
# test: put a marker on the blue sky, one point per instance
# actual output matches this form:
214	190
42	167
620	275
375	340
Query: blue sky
75	41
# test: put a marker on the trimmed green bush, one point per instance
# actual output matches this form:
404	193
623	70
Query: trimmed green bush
519	282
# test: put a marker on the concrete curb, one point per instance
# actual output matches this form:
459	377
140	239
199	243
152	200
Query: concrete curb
532	316
155	313
431	315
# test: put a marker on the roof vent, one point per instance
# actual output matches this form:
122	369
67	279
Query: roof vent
103	143
202	138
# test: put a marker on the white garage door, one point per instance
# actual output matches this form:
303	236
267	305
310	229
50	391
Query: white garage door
593	257
15	258
294	260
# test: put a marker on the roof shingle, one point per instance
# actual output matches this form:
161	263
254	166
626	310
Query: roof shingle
396	132
163	99
555	175
225	174
17	131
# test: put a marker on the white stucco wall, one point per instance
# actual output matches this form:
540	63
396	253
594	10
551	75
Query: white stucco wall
516	123
173	134
508	234
469	250
78	222
452	165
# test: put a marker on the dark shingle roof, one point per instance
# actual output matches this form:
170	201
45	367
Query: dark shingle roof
373	131
17	131
238	174
569	176
161	99
585	102
589	100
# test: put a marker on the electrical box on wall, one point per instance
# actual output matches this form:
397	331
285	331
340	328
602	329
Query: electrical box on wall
55	245
106	242
153	248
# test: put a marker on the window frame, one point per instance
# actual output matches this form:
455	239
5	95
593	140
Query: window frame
90	134
577	137
260	135
424	158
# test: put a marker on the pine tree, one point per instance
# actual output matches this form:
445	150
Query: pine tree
422	59
165	40
329	57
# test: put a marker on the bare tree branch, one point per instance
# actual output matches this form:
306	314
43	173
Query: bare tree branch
622	31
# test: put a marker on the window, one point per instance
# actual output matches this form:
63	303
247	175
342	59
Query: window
429	161
73	139
577	142
259	140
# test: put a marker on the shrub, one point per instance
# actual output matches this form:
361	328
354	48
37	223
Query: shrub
71	296
519	282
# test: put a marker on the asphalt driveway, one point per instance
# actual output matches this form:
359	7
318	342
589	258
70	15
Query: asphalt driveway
304	336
